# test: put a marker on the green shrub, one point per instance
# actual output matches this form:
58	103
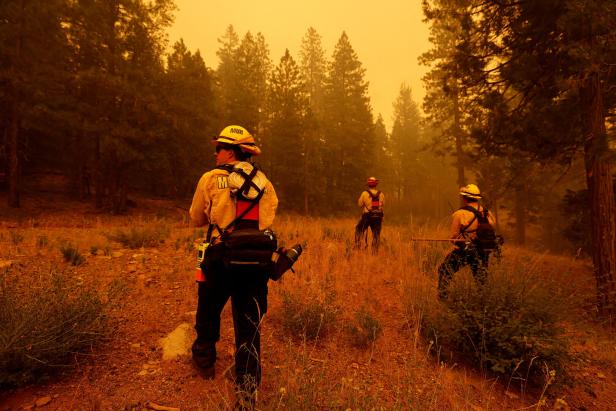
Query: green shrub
16	237
46	327
511	326
42	241
72	255
306	315
365	329
333	234
137	237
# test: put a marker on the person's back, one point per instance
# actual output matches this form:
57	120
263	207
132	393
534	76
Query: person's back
371	202
465	222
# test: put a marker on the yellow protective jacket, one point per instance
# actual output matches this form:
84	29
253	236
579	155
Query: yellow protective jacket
213	204
365	200
462	218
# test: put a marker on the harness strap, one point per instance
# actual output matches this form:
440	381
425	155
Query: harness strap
477	215
246	211
247	181
210	231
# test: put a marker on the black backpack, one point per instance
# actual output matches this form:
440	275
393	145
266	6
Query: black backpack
486	236
374	213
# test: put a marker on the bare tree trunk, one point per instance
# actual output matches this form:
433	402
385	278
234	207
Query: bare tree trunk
15	120
13	155
458	138
601	190
98	174
520	215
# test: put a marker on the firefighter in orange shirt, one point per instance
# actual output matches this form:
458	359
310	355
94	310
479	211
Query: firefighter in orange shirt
371	202
226	210
473	236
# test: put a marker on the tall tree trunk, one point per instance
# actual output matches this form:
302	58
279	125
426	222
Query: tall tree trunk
520	215
98	174
13	154
305	174
15	118
458	137
601	190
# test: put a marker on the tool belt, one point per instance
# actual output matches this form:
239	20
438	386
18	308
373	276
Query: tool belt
374	215
250	249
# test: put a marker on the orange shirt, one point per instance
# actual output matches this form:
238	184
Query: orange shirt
365	200
462	218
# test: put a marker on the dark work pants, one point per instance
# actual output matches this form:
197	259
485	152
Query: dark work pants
460	257
362	226
248	292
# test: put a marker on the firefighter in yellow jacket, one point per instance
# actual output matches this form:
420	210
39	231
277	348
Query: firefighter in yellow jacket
371	202
473	236
228	206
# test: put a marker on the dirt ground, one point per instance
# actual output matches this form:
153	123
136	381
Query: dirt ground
128	372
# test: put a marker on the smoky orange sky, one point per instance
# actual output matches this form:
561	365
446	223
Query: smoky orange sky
387	35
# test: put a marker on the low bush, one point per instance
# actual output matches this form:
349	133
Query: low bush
71	254
511	326
46	326
308	315
42	241
333	234
365	329
145	236
16	237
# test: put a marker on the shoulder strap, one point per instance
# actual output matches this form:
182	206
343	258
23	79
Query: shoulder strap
244	189
246	211
226	167
475	215
248	181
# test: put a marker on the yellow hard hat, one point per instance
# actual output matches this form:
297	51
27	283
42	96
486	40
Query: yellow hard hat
470	191
238	136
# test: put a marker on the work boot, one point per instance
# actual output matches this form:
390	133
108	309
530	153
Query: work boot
207	373
204	358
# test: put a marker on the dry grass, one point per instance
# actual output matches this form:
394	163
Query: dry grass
320	365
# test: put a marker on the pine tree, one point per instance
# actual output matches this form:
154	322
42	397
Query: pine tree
243	71
348	126
118	46
191	117
287	107
313	67
32	53
405	136
448	108
541	70
383	166
227	76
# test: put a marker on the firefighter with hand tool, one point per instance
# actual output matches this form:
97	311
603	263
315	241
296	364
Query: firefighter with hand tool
473	236
237	258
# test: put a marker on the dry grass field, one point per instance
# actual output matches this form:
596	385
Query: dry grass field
348	330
